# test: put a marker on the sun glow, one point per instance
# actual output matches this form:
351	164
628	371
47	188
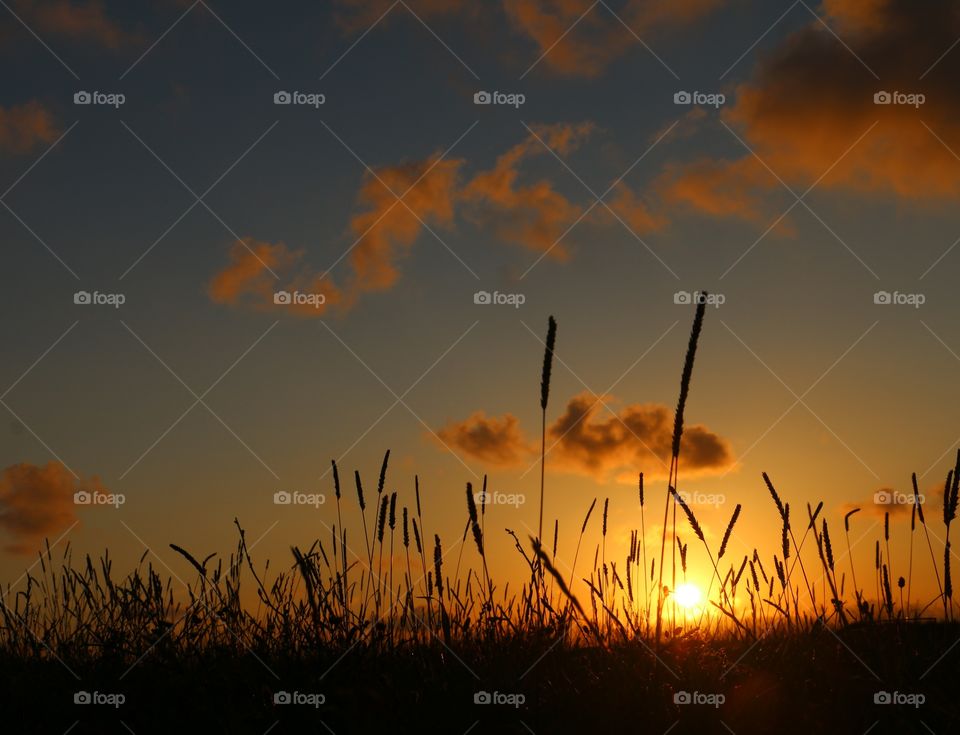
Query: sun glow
687	595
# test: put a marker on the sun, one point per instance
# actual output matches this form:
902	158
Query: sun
687	595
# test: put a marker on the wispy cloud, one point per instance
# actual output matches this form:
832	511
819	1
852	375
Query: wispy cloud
75	21
26	127
258	271
38	501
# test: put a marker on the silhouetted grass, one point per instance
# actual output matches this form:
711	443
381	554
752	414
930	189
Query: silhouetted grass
409	653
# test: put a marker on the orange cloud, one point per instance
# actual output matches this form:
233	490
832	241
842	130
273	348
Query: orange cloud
809	103
24	127
633	210
576	42
358	15
388	228
638	438
584	45
496	441
719	188
536	215
84	21
36	502
247	281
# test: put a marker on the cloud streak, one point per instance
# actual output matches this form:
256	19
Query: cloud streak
258	271
76	21
574	40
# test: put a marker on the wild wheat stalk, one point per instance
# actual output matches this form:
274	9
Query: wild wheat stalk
913	525
950	497
853	569
544	396
685	378
643	548
926	532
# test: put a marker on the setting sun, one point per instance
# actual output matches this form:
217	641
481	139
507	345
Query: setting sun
688	595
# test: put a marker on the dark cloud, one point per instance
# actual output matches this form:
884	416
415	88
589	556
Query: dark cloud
582	441
638	438
810	101
496	441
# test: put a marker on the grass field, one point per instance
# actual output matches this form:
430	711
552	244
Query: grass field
389	633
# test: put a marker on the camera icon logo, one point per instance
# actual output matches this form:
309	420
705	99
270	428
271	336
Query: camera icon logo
482	698
482	98
282	497
682	98
282	98
82	297
882	698
882	497
482	297
82	497
882	98
82	98
81	698
882	297
281	697
282	298
682	698
683	297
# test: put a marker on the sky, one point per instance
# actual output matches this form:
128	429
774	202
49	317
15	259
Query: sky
429	181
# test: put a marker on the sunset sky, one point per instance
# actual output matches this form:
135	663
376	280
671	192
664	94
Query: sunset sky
786	187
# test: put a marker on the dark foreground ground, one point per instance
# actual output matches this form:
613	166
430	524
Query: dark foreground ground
877	679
